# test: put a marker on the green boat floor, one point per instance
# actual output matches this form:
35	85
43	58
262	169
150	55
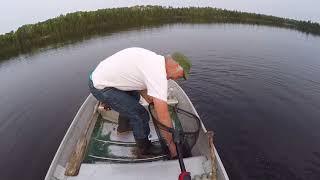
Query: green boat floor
106	145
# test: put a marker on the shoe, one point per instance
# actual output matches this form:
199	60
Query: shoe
146	148
123	126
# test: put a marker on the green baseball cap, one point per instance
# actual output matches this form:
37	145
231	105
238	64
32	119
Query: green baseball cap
184	62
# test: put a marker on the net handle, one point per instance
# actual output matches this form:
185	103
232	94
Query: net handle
169	129
158	123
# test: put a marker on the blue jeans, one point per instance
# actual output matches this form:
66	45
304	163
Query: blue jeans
128	106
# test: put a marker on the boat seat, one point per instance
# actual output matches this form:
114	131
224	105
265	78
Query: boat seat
111	115
172	101
156	170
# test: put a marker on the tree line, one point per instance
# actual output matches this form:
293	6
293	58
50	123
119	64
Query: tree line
79	25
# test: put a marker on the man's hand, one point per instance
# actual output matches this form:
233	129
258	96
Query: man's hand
144	94
163	116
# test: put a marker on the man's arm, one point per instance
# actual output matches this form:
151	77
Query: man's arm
144	94
163	116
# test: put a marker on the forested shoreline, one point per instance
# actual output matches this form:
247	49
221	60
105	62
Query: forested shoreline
79	25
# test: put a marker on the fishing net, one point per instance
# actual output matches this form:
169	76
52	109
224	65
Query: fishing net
186	127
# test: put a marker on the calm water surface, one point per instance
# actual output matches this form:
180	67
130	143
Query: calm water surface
258	88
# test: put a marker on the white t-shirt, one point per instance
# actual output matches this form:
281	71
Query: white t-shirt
133	69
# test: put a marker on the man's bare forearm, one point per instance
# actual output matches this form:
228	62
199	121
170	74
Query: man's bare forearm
162	113
145	95
161	108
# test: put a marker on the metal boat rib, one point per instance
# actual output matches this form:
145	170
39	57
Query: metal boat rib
130	160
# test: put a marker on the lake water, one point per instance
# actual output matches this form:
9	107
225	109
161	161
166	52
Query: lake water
257	87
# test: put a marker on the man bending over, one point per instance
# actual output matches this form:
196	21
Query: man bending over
119	80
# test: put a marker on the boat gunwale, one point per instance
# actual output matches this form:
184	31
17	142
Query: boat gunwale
224	173
51	169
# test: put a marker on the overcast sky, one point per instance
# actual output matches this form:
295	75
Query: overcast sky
14	13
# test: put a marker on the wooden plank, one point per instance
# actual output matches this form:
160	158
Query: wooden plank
73	166
76	158
213	156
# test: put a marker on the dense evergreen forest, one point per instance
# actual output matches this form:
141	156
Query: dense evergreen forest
79	25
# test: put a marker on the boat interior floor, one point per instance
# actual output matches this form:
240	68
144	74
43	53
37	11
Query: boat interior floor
106	145
112	153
